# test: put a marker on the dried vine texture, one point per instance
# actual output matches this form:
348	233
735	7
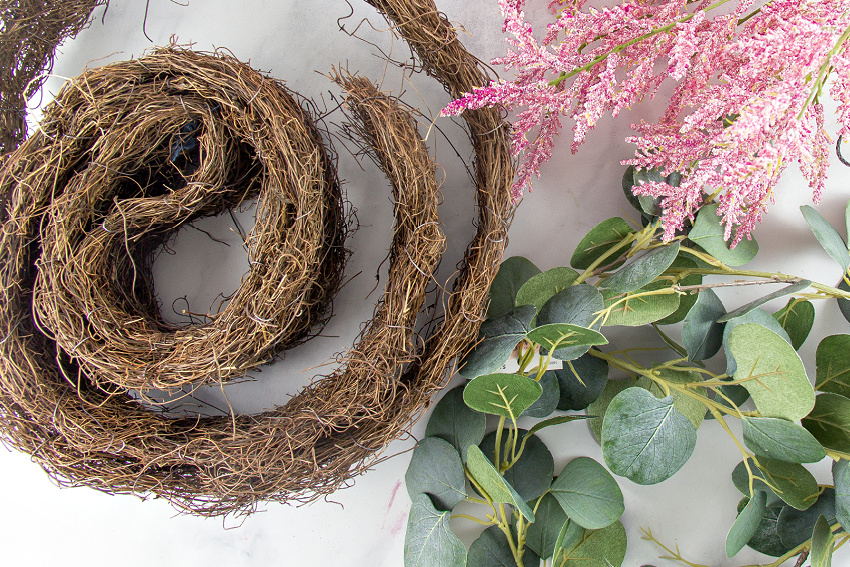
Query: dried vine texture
31	32
98	189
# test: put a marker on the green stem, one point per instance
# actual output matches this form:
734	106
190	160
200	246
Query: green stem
822	288
474	519
498	442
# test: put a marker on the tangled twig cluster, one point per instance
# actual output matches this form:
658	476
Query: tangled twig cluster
129	153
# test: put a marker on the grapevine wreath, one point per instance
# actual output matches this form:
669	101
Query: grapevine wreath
130	152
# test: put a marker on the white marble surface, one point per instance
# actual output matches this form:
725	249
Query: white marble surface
365	524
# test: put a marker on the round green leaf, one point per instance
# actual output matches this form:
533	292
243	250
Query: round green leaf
532	474
746	524
548	521
781	439
506	395
564	338
702	335
797	318
766	539
576	305
772	372
436	469
429	542
581	381
599	407
797	487
708	231
833	365
690	407
758	316
512	274
844	304
493	483
491	549
687	301
841	480
548	400
643	270
633	309
540	288
795	526
645	439
822	539
497	339
829	422
599	240
828	237
453	421
597	548
588	494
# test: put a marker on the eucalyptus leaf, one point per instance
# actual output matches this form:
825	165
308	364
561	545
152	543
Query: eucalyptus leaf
645	439
581	381
429	542
828	237
576	305
548	400
781	439
687	301
746	524
532	474
795	526
766	539
643	270
506	395
702	335
797	318
512	274
571	533
540	288
598	241
821	555
772	372
833	365
689	406
588	494
600	407
647	204
494	484
841	480
639	307
744	309
453	421
741	480
597	548
708	231
497	339
844	304
797	487
436	469
563	338
491	549
758	316
548	522
829	422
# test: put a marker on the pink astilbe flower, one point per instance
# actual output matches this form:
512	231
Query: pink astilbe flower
744	107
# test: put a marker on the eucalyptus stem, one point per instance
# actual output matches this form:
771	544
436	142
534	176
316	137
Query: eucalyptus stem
498	442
